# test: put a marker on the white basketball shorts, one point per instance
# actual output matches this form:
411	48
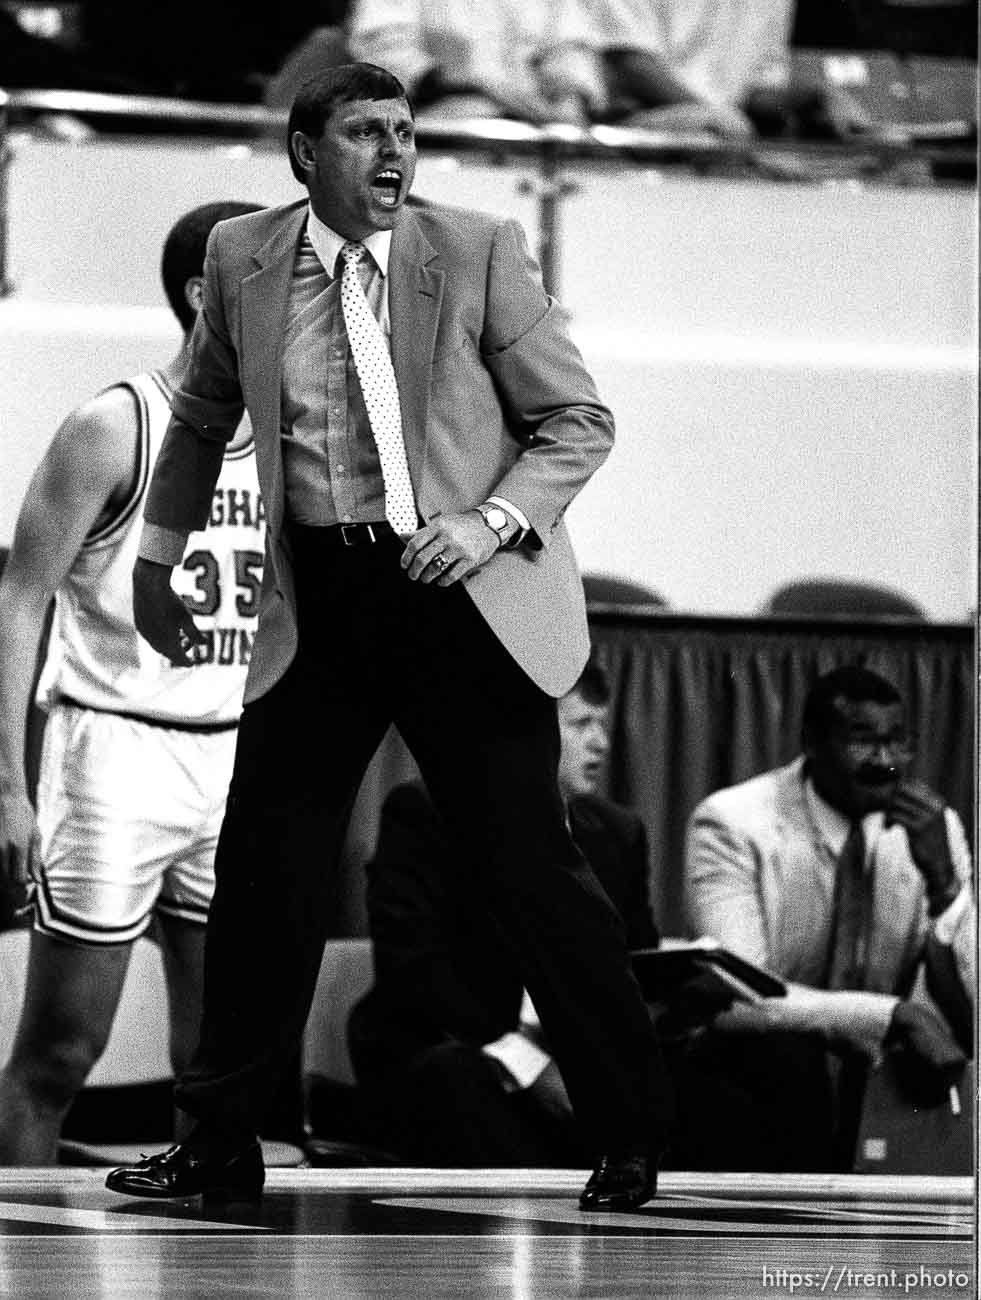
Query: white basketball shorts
129	814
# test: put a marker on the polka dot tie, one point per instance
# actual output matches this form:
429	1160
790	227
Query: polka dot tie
380	392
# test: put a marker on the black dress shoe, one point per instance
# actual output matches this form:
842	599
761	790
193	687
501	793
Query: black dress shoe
190	1171
620	1183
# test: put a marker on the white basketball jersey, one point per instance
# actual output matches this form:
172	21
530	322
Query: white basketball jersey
96	656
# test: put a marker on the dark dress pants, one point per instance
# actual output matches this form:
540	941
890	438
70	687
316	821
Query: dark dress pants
377	648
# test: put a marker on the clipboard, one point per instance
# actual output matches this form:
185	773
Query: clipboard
662	971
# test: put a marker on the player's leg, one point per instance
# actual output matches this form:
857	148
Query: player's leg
70	999
182	951
96	886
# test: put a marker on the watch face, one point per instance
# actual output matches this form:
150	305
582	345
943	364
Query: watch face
496	518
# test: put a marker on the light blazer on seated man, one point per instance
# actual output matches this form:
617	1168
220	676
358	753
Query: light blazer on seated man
462	629
763	871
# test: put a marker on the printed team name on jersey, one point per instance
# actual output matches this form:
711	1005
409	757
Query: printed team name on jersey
237	508
224	646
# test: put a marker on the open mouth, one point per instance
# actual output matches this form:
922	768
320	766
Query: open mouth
386	187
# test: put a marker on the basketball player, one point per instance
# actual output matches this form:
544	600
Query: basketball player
137	753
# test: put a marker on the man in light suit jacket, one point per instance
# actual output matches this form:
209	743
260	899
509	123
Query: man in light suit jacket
765	875
461	623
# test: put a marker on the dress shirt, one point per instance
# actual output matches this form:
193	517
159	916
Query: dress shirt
518	1051
325	433
344	455
833	826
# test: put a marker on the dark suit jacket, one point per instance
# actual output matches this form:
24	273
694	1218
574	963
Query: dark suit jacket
494	395
443	971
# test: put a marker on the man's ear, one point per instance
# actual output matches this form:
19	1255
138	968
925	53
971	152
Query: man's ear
303	150
194	293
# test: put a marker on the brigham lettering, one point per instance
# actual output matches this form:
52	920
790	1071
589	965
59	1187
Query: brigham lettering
237	508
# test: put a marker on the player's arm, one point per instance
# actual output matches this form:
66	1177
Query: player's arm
84	472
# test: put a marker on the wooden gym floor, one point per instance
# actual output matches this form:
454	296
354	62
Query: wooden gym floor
455	1234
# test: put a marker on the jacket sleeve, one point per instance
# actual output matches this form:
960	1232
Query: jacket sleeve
949	954
548	397
721	886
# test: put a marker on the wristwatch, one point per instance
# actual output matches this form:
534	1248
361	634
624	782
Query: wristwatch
496	519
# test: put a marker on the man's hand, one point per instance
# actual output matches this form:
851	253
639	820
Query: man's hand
927	1059
920	812
449	548
19	843
691	1006
160	615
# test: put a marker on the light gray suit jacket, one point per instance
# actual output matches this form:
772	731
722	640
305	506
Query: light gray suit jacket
759	878
495	400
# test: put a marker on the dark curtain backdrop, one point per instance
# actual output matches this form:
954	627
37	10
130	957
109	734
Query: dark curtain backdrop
700	703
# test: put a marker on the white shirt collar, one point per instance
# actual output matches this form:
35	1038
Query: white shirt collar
832	825
327	244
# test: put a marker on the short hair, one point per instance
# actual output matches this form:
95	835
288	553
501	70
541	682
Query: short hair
593	684
851	682
184	248
342	84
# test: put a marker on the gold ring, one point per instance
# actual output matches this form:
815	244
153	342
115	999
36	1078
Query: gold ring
441	562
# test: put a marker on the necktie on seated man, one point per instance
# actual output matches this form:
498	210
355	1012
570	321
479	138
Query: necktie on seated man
380	391
849	937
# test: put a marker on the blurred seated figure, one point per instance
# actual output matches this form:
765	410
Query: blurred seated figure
532	60
322	47
446	1046
835	596
850	879
608	589
720	66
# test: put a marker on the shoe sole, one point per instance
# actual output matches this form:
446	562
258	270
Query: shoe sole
618	1205
209	1193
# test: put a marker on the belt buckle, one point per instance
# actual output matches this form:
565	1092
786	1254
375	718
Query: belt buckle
354	530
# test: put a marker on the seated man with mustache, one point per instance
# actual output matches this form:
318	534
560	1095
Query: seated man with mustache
851	880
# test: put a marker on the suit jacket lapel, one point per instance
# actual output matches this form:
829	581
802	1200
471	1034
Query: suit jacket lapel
265	296
415	292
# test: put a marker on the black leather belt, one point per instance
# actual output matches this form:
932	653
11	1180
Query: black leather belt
340	536
363	534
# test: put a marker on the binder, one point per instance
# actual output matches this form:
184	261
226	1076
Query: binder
662	971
